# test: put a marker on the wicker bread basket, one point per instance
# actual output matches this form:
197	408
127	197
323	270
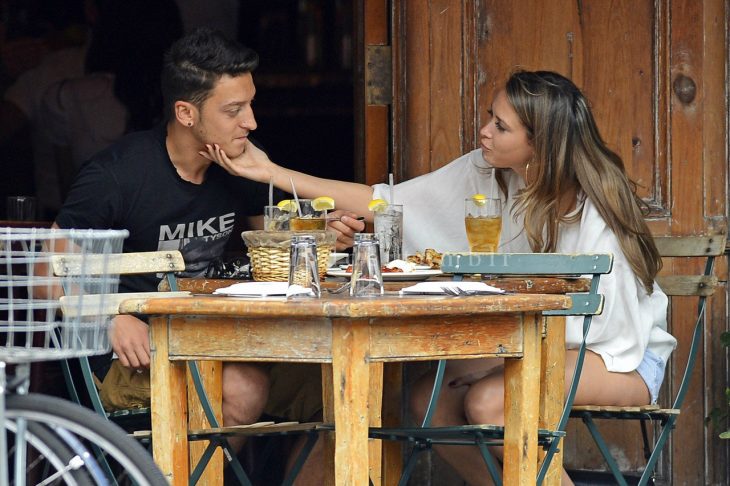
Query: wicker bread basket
269	252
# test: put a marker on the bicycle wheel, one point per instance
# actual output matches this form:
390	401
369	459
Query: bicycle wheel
124	460
46	458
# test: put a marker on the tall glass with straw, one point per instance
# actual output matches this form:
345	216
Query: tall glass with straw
483	220
389	228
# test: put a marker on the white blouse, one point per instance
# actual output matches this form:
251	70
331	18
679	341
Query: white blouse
433	217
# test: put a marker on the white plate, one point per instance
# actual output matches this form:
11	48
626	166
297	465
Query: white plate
416	268
391	276
335	258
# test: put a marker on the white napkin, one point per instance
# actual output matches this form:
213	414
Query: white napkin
437	287
295	289
261	289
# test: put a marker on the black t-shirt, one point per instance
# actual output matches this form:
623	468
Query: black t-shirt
133	185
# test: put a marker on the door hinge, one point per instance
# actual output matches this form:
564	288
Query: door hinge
378	75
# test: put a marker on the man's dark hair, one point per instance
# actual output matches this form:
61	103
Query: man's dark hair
196	61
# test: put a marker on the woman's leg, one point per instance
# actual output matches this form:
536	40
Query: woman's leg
484	403
450	406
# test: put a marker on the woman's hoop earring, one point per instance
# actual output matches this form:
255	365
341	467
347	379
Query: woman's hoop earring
527	172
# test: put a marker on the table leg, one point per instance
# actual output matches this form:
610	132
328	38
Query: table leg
391	417
350	345
328	416
522	408
553	384
211	374
169	407
375	408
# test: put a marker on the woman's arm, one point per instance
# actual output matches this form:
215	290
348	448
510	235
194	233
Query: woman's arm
254	164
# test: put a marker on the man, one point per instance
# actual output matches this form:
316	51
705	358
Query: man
159	186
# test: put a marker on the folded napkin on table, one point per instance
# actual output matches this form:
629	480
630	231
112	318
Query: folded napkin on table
298	290
438	288
262	289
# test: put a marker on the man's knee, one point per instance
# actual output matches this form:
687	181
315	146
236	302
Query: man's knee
247	382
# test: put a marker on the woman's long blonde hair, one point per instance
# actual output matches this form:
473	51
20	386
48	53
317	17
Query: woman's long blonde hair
570	156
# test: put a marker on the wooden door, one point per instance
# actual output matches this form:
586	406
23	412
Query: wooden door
656	74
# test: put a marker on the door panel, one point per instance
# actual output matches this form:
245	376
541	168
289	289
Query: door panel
656	75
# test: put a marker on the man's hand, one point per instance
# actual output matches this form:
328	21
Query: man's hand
130	340
345	228
252	164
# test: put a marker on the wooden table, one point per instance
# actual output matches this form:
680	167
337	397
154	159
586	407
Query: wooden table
348	335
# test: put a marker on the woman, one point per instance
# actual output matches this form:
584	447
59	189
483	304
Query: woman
565	192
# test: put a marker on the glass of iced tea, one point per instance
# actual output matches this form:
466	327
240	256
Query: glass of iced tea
308	218
483	220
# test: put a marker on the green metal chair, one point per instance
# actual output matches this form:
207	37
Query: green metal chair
699	285
424	437
168	263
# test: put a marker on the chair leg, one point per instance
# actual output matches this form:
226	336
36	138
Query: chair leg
411	462
492	467
605	452
645	439
203	463
663	437
301	458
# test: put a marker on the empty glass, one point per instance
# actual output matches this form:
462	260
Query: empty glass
303	274
366	279
276	219
389	228
21	208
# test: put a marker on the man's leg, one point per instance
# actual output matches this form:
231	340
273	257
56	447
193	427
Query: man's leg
245	392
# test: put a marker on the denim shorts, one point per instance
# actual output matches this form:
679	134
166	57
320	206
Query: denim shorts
651	370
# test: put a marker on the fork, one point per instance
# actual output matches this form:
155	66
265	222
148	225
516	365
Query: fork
342	288
458	291
451	290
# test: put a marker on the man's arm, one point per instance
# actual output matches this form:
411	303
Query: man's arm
254	164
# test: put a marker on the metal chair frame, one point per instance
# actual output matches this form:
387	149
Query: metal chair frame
702	286
530	264
168	263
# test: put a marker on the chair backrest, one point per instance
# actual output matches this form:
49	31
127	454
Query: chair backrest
701	285
538	264
165	262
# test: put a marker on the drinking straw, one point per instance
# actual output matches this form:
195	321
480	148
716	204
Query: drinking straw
271	191
390	184
294	193
492	185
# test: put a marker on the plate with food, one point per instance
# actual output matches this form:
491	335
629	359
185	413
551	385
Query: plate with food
395	270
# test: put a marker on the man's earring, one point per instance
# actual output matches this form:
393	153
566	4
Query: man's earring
190	124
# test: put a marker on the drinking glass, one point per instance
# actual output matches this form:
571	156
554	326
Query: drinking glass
303	273
275	219
389	228
308	218
483	220
366	279
21	208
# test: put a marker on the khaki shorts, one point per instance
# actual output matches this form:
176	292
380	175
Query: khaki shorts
295	392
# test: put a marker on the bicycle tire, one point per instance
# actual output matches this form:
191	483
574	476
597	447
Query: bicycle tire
124	454
52	457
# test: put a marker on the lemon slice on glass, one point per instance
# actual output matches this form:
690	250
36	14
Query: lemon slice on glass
323	202
288	205
377	205
479	199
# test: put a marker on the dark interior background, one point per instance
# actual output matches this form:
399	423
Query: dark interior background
304	100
